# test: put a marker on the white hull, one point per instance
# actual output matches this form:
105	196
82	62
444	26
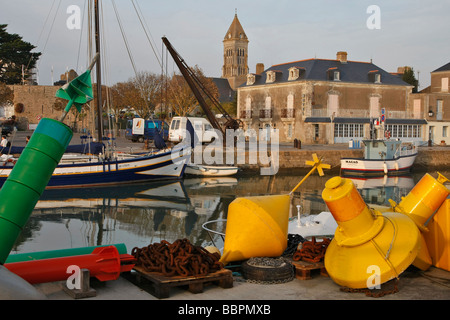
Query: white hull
364	166
203	170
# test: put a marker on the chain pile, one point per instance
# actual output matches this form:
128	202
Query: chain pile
375	293
312	251
179	258
293	241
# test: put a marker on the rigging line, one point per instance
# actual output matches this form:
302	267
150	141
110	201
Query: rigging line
51	27
138	78
124	37
42	31
81	35
145	30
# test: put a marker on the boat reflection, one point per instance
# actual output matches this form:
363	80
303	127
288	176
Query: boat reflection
137	215
378	190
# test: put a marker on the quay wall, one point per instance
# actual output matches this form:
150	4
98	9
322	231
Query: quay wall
433	158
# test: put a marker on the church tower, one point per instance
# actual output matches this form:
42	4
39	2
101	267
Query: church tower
235	55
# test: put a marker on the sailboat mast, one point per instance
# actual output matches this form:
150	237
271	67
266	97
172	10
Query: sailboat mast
99	79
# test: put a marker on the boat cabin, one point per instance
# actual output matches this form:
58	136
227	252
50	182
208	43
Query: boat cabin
382	149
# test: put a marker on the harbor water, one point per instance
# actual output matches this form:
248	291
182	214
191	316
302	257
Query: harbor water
140	214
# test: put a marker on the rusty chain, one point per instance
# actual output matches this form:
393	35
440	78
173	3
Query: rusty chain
374	293
178	258
311	251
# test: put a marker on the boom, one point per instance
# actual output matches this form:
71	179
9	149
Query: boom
196	85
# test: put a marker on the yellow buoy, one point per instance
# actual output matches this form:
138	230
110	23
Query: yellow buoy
424	199
256	227
367	245
438	237
420	204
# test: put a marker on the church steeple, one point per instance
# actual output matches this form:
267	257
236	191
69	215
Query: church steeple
235	54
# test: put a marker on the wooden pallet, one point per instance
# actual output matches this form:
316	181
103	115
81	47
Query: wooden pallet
303	269
161	284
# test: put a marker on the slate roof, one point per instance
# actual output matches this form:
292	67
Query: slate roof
235	30
226	94
445	67
317	69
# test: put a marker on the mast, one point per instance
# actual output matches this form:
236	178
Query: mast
99	79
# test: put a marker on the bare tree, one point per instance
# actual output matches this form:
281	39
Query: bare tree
180	96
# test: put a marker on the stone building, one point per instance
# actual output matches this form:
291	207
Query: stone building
328	101
435	101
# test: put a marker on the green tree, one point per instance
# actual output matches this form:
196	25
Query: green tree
15	53
409	77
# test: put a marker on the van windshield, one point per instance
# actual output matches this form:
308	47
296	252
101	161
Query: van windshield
175	124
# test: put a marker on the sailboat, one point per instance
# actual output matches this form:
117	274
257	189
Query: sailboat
107	167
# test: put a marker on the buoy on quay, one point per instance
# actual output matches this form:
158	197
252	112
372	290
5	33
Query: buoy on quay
256	227
104	263
420	204
367	246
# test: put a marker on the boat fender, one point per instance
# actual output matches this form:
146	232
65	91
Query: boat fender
385	169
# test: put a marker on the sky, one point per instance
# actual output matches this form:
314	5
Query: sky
396	33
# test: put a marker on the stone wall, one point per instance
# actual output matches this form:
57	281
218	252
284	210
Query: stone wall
38	102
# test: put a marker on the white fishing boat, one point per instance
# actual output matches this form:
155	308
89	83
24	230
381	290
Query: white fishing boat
381	157
206	170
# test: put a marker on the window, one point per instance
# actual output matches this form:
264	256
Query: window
268	104
336	76
250	79
333	104
374	107
374	76
293	74
445	131
444	84
439	109
377	78
289	131
271	76
348	130
175	124
333	74
417	104
404	130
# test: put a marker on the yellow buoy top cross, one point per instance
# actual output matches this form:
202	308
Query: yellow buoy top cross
317	165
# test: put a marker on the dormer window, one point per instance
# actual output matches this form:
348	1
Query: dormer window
271	76
375	76
251	79
295	73
334	74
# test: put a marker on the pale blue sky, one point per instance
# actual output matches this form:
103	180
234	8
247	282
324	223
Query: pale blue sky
414	33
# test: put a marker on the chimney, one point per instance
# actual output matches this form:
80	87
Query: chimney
259	68
341	56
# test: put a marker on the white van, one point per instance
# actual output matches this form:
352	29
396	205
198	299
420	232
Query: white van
202	127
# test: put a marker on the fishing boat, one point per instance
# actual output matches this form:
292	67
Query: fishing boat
381	157
206	170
